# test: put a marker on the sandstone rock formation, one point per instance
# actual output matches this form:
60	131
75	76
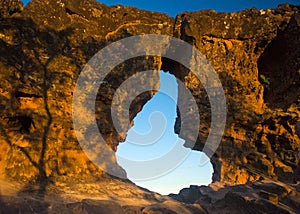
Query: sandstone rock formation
243	54
43	48
9	7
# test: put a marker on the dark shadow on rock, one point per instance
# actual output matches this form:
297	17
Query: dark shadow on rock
15	205
31	74
258	197
278	70
96	207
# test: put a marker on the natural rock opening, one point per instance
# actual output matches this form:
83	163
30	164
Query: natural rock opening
45	40
201	97
278	67
143	147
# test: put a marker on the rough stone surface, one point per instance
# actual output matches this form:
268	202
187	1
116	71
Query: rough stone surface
256	55
43	48
10	7
41	57
258	197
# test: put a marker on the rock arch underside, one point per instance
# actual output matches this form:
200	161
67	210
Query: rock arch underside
45	45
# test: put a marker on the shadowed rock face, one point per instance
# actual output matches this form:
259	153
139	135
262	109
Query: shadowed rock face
255	197
44	47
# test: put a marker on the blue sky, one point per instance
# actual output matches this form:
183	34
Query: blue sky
173	7
183	172
189	171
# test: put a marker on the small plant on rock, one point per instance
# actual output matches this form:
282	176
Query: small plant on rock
265	81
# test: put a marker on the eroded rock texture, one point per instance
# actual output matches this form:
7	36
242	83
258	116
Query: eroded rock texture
9	7
256	197
44	46
41	57
256	55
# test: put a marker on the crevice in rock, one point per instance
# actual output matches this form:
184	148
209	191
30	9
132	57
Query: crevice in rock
278	70
19	94
70	12
22	123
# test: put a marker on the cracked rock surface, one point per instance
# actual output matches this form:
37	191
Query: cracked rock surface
45	45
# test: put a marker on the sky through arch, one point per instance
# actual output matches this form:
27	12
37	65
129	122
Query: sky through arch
189	172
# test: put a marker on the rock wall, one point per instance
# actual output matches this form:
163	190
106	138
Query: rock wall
41	57
9	7
256	54
44	47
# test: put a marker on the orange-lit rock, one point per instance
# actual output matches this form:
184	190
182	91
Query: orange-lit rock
43	48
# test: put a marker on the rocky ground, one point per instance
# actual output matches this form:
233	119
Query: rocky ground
264	196
109	196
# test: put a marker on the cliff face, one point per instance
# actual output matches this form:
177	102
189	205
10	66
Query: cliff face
256	55
44	46
41	57
8	8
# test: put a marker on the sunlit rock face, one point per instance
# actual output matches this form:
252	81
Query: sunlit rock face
44	47
256	55
10	7
43	50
